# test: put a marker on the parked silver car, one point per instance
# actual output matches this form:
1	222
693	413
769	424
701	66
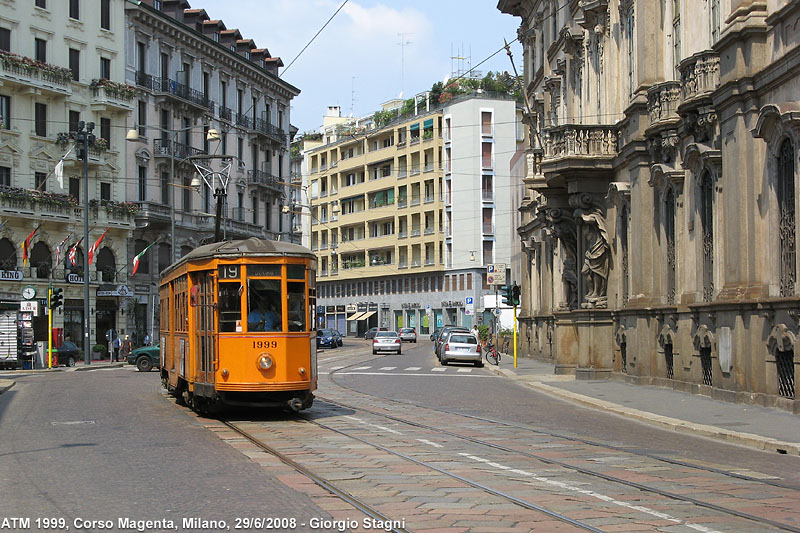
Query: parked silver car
408	335
460	346
386	341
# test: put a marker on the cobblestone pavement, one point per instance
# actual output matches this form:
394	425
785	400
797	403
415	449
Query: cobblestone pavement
445	471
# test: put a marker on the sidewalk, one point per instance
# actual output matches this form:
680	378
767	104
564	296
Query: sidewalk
758	427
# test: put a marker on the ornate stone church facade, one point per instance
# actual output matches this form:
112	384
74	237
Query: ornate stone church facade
659	222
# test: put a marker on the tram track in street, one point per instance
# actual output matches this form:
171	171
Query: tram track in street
370	511
571	467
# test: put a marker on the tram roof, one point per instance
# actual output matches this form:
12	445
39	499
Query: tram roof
252	247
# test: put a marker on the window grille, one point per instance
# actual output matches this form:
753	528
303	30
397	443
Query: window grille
669	230
707	221
786	212
623	351
669	359
623	237
705	363
785	363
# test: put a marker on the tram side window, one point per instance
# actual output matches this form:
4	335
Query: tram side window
230	307
296	298
264	310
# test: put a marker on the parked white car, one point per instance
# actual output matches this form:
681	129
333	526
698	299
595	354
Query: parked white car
460	346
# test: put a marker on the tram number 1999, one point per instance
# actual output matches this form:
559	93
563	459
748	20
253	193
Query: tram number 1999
265	344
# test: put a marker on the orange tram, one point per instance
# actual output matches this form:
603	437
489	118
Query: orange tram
237	326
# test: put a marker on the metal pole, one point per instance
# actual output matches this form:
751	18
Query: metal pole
87	354
49	326
515	336
174	141
496	308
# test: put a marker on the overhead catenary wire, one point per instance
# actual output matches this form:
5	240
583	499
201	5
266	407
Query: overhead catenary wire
312	39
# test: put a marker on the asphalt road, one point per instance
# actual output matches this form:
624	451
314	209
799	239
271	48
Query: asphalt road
106	444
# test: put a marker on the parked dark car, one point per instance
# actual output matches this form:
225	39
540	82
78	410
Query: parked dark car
68	353
370	334
328	338
435	333
145	358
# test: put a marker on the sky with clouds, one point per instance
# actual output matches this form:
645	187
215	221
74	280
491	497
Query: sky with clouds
357	62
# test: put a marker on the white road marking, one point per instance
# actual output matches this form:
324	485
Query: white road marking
363	368
72	423
387	368
437	369
414	368
593	494
464	370
409	374
435	445
337	367
384	428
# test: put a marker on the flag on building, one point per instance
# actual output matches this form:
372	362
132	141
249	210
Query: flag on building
138	258
59	170
60	247
73	253
95	246
26	245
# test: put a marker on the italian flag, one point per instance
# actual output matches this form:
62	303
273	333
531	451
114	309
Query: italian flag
138	258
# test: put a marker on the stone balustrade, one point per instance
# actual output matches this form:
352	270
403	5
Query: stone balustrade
663	100
577	140
699	75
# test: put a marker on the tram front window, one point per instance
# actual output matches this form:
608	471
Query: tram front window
297	305
264	305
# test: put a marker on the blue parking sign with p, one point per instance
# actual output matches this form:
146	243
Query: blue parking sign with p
468	300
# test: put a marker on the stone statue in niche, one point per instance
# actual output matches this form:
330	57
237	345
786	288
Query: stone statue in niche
595	262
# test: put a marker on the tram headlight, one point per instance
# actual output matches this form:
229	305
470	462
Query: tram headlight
264	361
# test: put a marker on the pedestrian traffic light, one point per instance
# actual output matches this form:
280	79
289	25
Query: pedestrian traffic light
508	296
515	295
56	297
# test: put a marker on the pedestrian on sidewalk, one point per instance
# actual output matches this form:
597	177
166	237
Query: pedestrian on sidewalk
117	344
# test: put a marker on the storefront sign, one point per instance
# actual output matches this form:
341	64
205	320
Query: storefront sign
74	278
362	307
372	306
340	309
330	309
10	275
110	290
410	306
141	288
29	306
350	308
452	303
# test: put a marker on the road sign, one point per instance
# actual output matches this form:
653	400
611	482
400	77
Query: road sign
496	274
468	300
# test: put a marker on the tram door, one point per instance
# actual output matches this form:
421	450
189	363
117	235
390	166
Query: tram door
201	298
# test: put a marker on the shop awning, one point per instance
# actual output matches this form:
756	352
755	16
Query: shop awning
366	315
428	123
354	316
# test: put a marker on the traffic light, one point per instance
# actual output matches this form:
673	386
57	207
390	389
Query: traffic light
508	295
56	297
515	295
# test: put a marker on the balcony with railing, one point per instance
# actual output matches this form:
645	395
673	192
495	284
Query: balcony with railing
263	179
662	101
164	148
593	145
175	90
243	120
109	95
699	76
154	212
226	114
263	127
28	72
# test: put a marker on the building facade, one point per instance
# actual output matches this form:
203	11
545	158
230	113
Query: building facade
62	63
406	217
659	219
192	75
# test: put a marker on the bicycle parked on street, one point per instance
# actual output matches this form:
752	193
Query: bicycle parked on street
491	353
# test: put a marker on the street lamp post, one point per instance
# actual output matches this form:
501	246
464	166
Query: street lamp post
133	135
85	138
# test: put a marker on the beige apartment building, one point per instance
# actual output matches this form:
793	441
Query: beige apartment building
660	221
377	221
406	217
